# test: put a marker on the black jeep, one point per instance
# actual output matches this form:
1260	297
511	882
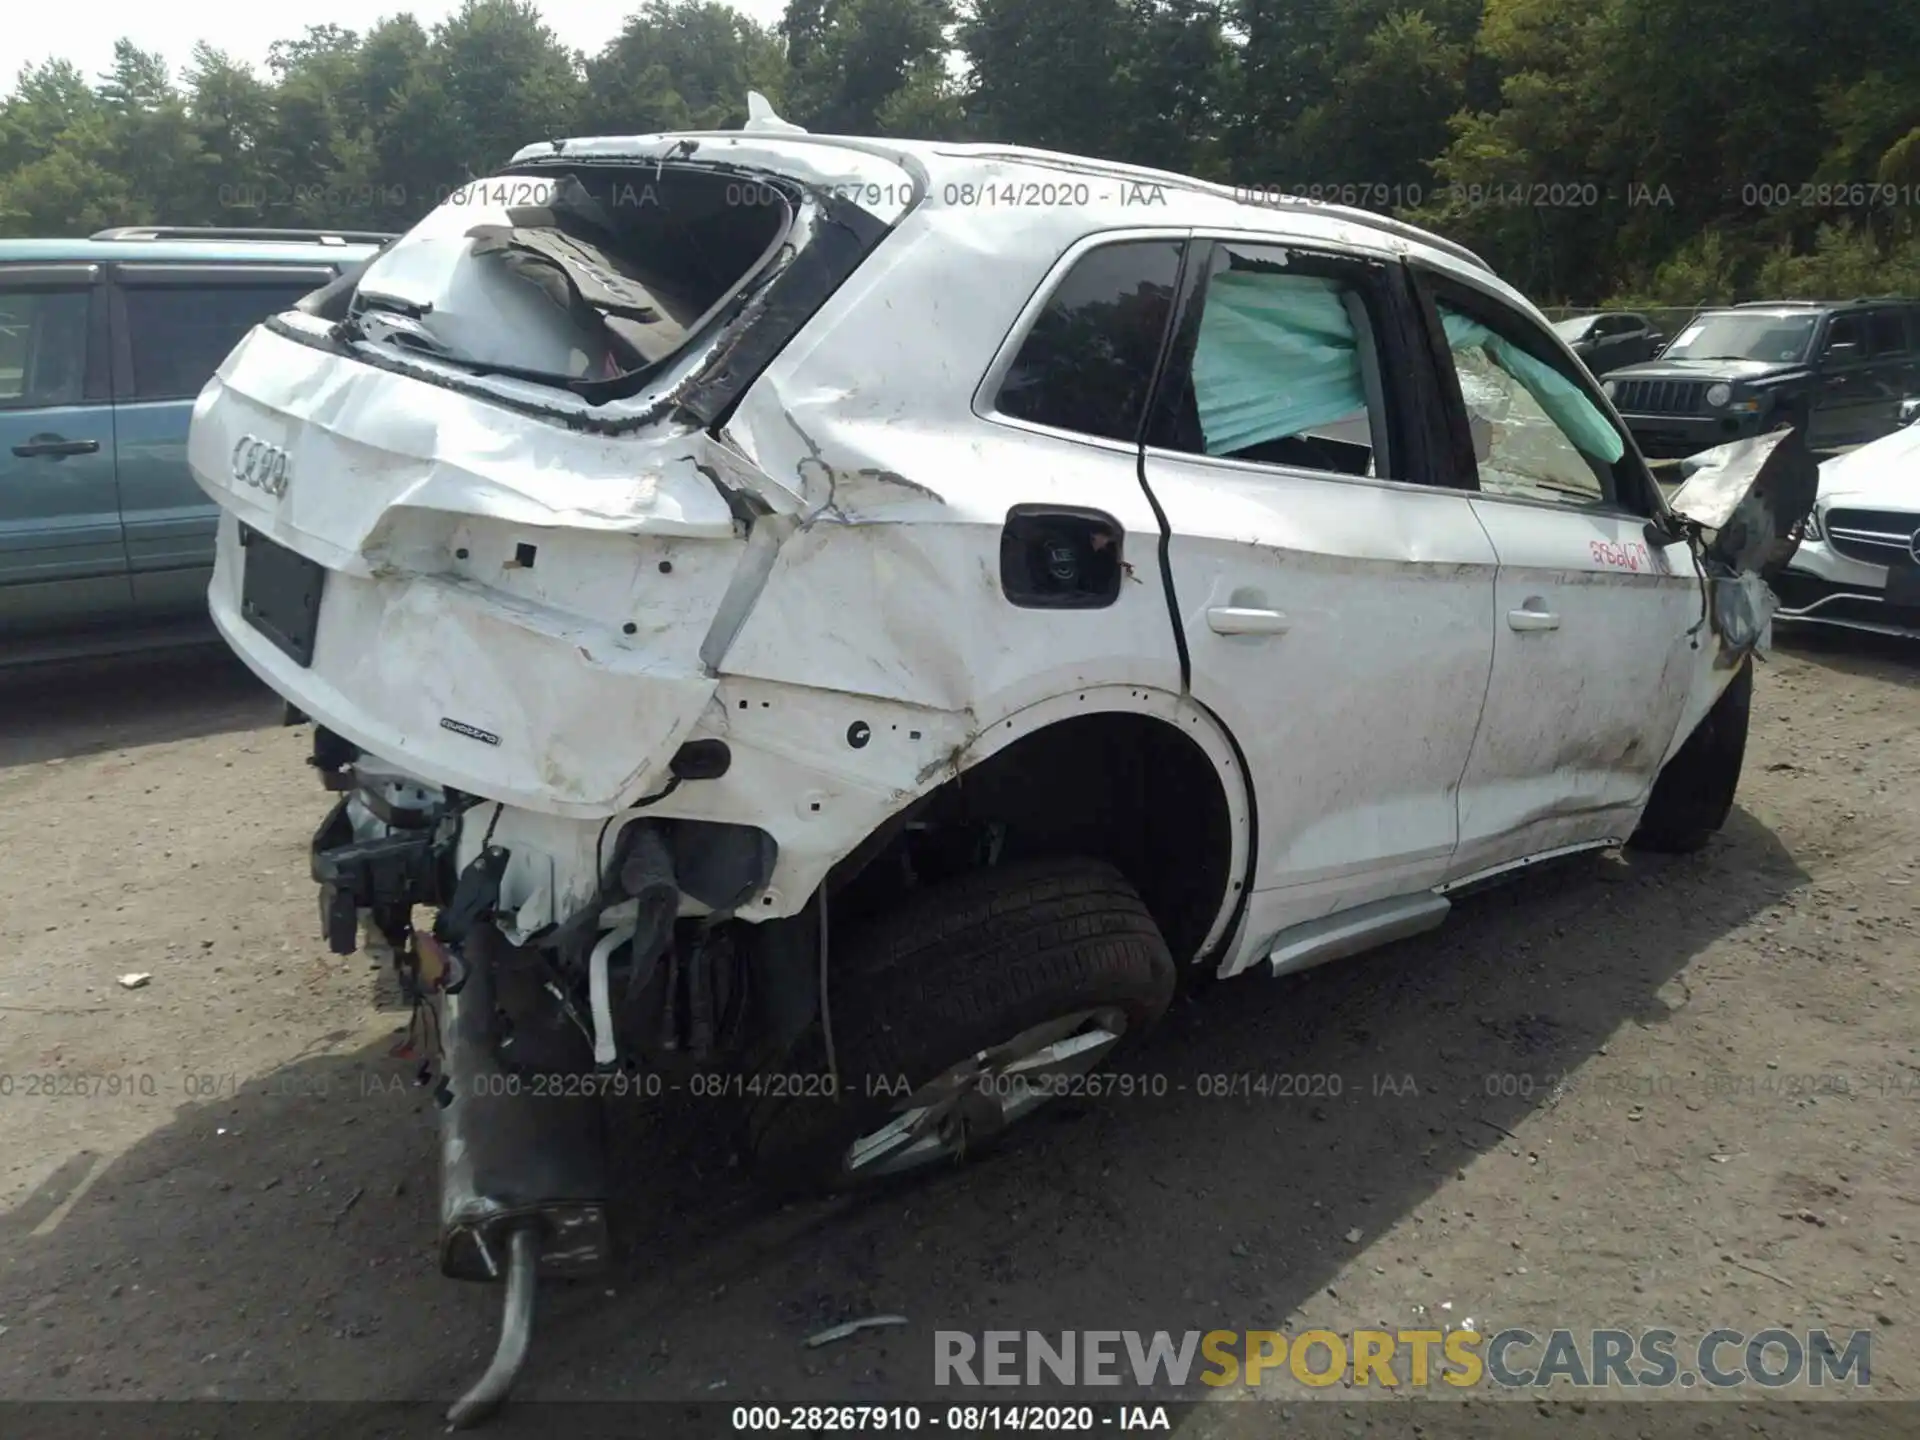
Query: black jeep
1838	371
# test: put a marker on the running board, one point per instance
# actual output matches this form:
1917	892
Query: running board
1350	932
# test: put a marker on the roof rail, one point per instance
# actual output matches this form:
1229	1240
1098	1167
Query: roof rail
1241	195
218	232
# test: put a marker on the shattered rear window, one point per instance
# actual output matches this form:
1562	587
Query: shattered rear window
591	274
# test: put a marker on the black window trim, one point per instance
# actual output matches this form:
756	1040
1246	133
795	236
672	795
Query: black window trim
147	274
96	386
1434	284
986	394
48	274
1407	399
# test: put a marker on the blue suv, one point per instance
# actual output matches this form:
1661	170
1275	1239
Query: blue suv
106	541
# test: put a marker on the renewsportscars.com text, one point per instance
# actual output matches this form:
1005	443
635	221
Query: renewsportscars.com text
1512	1358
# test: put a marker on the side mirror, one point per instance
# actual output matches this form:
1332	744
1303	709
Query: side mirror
1842	350
1751	496
1909	411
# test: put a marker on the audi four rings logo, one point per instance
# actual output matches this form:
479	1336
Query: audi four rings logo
1913	547
263	466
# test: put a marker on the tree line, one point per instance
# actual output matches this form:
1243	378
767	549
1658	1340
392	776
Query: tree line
1660	151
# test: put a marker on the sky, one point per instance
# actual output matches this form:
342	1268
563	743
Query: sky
37	30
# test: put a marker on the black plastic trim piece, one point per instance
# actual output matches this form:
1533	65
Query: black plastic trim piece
1183	316
354	875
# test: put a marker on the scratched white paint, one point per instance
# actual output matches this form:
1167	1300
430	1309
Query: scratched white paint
868	604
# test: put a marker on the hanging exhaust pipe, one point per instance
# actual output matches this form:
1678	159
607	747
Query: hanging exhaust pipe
523	1177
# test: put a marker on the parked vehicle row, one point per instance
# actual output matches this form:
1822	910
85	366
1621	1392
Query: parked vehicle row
1839	373
105	542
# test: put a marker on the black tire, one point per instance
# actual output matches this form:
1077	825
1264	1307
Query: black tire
1694	794
958	969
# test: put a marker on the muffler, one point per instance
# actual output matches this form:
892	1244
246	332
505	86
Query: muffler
523	1174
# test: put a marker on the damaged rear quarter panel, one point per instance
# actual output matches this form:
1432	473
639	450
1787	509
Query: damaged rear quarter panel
427	505
886	598
890	586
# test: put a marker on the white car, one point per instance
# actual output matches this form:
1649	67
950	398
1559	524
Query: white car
848	625
1858	566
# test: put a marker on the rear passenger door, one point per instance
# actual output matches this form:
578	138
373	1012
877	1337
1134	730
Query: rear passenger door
1594	656
1335	604
174	324
62	561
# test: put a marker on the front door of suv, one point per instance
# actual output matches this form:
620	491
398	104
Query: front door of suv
1593	662
1336	608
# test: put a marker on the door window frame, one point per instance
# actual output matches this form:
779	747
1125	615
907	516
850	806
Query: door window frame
1407	396
96	387
1630	492
1834	320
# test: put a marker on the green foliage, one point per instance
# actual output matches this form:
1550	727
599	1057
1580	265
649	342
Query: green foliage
1674	153
681	66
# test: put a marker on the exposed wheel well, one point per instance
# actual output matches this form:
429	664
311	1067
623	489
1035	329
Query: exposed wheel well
1127	788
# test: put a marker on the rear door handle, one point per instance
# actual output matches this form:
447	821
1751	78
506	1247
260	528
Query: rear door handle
1238	620
55	446
1532	620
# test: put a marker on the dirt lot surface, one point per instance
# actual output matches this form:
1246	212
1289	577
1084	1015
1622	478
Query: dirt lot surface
1629	1091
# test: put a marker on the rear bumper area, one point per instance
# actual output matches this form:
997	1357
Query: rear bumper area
466	689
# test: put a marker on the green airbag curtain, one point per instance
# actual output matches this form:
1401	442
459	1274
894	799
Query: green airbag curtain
1276	357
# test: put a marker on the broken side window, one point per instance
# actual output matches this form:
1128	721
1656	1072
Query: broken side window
1536	433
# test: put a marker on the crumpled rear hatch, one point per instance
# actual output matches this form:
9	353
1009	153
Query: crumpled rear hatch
478	521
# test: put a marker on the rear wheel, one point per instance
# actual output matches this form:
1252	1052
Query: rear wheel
960	1013
1694	794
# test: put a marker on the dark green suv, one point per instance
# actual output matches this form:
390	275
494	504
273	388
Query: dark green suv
1839	372
106	541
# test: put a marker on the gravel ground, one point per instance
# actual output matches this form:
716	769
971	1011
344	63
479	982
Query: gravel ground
1626	1091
